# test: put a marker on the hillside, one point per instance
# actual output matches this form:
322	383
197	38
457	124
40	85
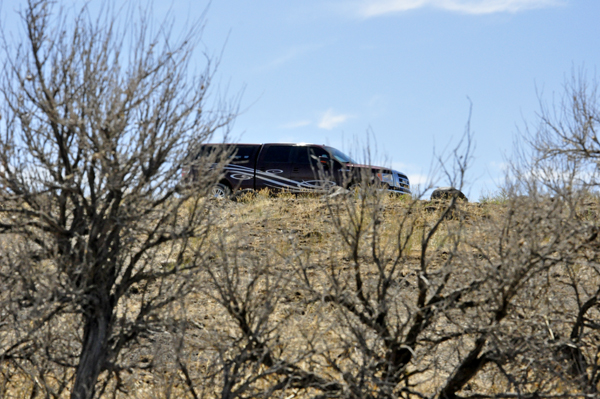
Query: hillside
368	295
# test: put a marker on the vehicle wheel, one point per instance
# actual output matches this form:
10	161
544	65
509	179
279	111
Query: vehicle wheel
220	190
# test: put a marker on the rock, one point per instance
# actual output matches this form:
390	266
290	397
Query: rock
442	193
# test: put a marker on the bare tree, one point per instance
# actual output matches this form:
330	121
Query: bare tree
414	298
99	115
559	161
566	132
359	294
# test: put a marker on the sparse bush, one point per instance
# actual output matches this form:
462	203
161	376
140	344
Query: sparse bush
98	116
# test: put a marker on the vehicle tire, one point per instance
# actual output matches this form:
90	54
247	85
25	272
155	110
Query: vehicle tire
220	190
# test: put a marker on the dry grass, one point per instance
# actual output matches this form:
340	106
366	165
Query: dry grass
264	247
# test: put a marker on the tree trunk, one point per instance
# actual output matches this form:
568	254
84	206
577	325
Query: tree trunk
93	352
465	371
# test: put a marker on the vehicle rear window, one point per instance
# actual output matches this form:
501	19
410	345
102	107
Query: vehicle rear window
278	153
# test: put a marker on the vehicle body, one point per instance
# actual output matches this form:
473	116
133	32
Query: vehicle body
297	168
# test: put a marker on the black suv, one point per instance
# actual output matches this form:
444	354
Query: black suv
297	168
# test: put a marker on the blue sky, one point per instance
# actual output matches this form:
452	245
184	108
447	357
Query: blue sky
400	71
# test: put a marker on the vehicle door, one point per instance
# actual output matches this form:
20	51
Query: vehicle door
274	167
240	170
312	168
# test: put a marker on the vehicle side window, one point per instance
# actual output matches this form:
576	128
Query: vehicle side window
243	154
306	155
301	156
278	153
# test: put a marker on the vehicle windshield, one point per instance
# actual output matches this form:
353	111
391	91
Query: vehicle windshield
339	156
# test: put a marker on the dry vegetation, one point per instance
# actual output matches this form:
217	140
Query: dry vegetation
119	279
490	307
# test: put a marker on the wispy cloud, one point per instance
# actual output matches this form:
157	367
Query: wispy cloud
331	119
373	8
295	124
290	55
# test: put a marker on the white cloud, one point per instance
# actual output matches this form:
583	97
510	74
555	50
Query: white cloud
290	55
331	120
295	124
373	8
499	166
380	7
